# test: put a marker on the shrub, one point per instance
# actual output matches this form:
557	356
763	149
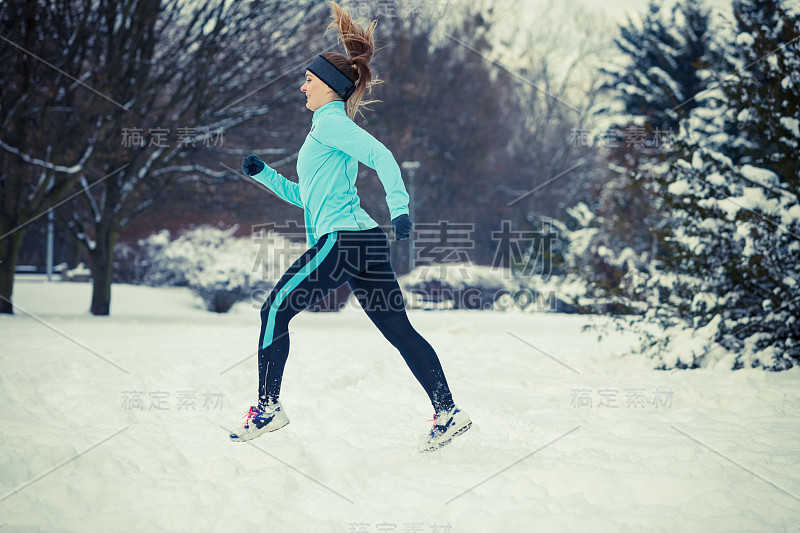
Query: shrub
458	285
217	266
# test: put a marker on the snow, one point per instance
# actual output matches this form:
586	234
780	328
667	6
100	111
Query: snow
762	176
90	243
744	115
745	40
582	214
697	161
567	434
679	187
791	215
704	300
791	124
581	239
661	75
772	61
460	275
752	198
78	271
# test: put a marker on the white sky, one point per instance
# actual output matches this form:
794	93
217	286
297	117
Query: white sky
566	22
620	9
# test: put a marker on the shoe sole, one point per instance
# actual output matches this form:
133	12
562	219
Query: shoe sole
448	441
251	436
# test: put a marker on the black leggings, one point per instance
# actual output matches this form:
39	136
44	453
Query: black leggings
360	258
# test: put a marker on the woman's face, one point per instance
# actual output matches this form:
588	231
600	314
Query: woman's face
317	93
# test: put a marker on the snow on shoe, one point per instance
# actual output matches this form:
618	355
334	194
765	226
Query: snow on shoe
446	425
258	421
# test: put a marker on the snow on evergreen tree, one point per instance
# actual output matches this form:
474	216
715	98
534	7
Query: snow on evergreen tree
664	57
733	186
665	61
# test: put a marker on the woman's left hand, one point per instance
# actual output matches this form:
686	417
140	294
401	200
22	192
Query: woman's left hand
401	225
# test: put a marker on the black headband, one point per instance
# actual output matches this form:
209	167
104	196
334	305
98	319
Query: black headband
333	77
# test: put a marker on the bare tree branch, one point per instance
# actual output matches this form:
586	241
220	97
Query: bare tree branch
73	169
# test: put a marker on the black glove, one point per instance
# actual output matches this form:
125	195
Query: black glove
252	165
401	225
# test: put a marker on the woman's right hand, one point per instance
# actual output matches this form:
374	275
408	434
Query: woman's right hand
252	165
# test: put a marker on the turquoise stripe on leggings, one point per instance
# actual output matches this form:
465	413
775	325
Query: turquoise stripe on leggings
295	280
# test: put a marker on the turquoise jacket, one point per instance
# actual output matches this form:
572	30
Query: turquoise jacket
327	168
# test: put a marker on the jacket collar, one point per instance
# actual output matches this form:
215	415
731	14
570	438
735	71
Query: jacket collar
335	106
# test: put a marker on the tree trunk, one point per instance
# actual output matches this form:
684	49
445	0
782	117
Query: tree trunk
9	246
103	270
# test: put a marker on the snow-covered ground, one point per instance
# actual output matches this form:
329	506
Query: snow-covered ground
121	424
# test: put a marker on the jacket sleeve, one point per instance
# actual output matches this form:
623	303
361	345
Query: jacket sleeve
285	189
345	135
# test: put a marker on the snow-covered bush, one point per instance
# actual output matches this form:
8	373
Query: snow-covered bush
217	266
574	272
128	267
464	285
220	268
222	273
455	285
605	270
166	262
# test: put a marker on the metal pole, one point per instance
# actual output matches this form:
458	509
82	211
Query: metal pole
411	216
50	218
411	166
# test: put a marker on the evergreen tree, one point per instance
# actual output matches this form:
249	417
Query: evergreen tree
734	188
665	56
666	60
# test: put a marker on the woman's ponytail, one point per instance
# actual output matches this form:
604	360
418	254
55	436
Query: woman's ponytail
360	46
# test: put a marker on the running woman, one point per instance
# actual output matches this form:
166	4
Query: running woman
345	245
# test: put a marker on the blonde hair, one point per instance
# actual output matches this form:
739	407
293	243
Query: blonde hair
360	45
